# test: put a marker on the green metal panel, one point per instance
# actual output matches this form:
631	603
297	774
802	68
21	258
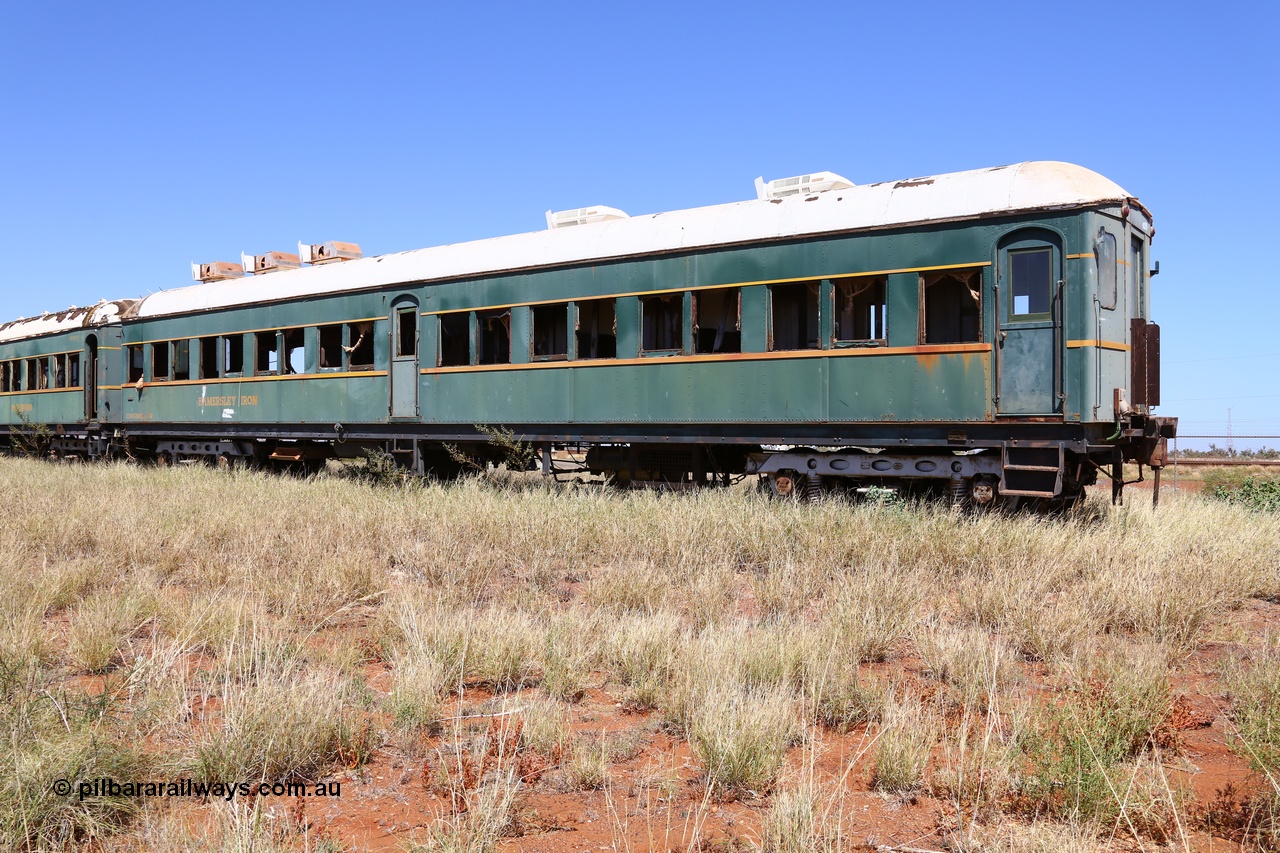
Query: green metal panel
902	310
521	334
628	315
755	312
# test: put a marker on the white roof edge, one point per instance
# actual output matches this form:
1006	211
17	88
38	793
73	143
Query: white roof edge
978	193
63	321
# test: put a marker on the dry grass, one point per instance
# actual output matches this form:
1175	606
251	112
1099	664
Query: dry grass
231	627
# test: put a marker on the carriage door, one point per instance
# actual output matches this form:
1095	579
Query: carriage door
404	359
1029	325
89	377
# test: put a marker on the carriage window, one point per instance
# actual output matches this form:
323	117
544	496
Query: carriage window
73	370
1031	281
1137	275
59	371
233	355
717	320
952	306
455	339
407	332
267	353
6	374
295	351
182	359
331	347
42	373
135	361
597	328
550	332
208	358
160	362
493	337
859	310
360	350
661	321
1104	253
794	315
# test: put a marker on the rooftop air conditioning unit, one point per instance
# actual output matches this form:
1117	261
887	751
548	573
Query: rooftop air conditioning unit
216	271
818	182
270	262
583	216
327	253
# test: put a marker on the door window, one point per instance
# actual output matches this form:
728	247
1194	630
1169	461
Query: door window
1031	282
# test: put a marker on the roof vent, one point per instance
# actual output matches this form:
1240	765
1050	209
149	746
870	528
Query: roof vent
270	262
818	182
583	216
216	271
327	253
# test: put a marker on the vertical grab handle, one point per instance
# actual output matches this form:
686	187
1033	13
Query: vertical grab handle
996	343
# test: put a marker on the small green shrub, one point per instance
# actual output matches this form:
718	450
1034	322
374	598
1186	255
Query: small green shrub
1255	493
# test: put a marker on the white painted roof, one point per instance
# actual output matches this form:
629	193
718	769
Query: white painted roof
72	318
957	196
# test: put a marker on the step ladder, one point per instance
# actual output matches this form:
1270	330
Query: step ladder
1034	472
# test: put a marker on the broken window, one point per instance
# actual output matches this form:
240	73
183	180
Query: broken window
233	355
6	377
208	358
455	339
331	347
795	315
661	322
407	332
134	358
42	374
597	328
493	337
73	370
1031	282
160	362
952	305
1104	253
550	332
360	350
295	351
60	371
717	320
267	352
859	309
182	360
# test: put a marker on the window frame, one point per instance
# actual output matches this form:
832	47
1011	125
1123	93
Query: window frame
1011	313
880	282
1102	271
678	298
563	314
964	275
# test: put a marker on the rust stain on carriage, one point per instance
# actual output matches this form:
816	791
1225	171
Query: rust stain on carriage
913	182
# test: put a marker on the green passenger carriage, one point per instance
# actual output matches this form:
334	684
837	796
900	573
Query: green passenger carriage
984	334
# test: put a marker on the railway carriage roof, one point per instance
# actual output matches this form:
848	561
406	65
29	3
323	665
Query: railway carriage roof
980	193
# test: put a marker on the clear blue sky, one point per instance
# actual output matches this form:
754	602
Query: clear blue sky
136	138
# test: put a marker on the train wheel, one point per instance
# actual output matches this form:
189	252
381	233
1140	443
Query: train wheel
226	462
164	459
